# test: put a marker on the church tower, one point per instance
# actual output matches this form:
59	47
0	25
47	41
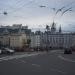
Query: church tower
60	29
47	28
53	28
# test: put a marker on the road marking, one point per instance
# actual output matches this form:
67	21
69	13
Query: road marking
0	60
55	51
17	56
23	61
66	59
36	65
20	61
58	71
3	57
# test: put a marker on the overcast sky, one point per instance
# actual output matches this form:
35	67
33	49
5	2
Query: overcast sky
31	13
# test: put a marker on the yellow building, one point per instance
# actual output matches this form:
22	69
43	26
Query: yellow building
18	40
13	40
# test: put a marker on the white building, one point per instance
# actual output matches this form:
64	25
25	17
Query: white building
73	40
57	40
35	41
53	39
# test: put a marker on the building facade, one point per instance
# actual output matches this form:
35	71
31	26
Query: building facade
13	40
18	40
35	41
57	40
20	37
53	39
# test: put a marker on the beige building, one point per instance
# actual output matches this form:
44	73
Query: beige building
4	40
18	40
13	40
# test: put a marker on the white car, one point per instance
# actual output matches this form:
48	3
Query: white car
9	50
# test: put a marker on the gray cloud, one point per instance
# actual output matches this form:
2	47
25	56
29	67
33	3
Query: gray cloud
29	12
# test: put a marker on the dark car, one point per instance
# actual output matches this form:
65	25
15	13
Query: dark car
67	51
73	48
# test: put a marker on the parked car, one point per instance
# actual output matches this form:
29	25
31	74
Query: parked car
32	50
7	51
0	51
67	51
73	48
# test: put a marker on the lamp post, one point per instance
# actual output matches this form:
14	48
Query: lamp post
47	42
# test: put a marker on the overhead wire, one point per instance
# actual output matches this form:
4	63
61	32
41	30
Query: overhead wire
11	8
20	6
62	9
66	11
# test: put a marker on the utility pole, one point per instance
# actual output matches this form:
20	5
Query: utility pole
47	42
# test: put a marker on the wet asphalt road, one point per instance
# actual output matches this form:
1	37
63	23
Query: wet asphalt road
51	63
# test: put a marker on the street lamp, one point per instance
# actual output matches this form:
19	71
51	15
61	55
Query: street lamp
47	42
